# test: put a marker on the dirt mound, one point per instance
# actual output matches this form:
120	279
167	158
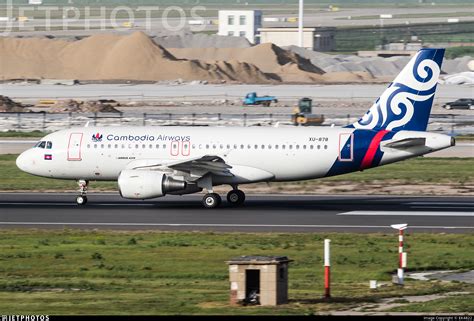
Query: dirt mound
114	57
110	57
200	41
9	106
93	106
280	64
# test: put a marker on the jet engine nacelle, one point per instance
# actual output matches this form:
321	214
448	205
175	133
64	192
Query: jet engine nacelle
141	184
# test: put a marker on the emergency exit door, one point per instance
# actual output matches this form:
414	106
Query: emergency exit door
74	147
346	147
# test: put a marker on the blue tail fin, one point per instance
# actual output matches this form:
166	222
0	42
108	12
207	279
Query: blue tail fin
406	103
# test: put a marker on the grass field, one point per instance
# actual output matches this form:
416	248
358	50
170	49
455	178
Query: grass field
91	272
457	171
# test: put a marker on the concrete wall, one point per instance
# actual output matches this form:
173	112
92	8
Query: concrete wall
313	39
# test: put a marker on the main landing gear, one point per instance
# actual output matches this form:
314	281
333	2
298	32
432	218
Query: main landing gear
81	199
235	198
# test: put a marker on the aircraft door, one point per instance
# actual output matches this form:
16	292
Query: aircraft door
74	147
175	148
346	147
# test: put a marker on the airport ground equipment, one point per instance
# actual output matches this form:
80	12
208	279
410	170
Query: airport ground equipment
303	114
252	99
261	280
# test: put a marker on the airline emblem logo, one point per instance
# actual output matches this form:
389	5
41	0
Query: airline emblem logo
97	137
414	86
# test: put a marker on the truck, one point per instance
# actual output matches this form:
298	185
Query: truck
303	116
253	99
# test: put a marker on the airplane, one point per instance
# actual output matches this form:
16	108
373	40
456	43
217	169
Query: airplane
151	162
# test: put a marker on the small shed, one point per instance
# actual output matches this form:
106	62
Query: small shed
258	280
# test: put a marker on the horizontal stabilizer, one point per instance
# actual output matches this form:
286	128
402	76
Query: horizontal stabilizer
406	142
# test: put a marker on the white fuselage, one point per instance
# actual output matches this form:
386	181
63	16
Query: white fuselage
254	154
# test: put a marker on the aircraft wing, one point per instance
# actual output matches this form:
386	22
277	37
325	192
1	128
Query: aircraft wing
197	167
406	142
203	165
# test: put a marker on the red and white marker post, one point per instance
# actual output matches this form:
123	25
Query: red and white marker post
402	256
327	269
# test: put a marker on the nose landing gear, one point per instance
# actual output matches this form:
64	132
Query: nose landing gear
81	199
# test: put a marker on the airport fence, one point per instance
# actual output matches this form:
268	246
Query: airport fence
48	122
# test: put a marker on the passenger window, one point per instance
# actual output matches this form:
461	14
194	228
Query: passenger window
101	145
207	146
256	146
269	146
325	146
263	146
291	146
304	146
116	146
276	146
143	146
109	146
235	146
49	145
311	146
214	146
193	146
241	146
150	146
283	146
164	146
297	146
319	146
88	145
95	145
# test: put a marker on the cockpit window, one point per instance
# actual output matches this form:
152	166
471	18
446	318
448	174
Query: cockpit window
44	144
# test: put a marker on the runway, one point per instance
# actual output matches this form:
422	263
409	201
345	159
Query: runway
261	213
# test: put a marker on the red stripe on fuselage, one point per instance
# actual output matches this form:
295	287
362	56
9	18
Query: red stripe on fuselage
374	145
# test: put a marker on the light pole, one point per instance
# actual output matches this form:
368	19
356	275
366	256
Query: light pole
300	24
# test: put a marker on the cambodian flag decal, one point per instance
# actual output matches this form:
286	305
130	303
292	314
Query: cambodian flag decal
48	157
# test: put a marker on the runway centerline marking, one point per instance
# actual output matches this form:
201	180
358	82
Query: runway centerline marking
227	225
406	213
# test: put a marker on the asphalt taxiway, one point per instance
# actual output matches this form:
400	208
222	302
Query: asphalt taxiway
261	213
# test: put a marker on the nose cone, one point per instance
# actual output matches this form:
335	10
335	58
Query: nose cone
22	161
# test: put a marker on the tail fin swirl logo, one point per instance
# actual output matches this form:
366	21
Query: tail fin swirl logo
406	103
97	137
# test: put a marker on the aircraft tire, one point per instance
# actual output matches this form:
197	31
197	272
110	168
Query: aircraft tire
211	200
81	200
235	197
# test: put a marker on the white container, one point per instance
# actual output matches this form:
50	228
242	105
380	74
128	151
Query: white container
373	284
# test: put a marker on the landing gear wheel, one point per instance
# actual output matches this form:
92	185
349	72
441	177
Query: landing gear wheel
236	197
211	200
81	200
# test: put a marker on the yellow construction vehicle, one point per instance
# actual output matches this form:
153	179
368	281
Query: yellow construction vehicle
303	116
